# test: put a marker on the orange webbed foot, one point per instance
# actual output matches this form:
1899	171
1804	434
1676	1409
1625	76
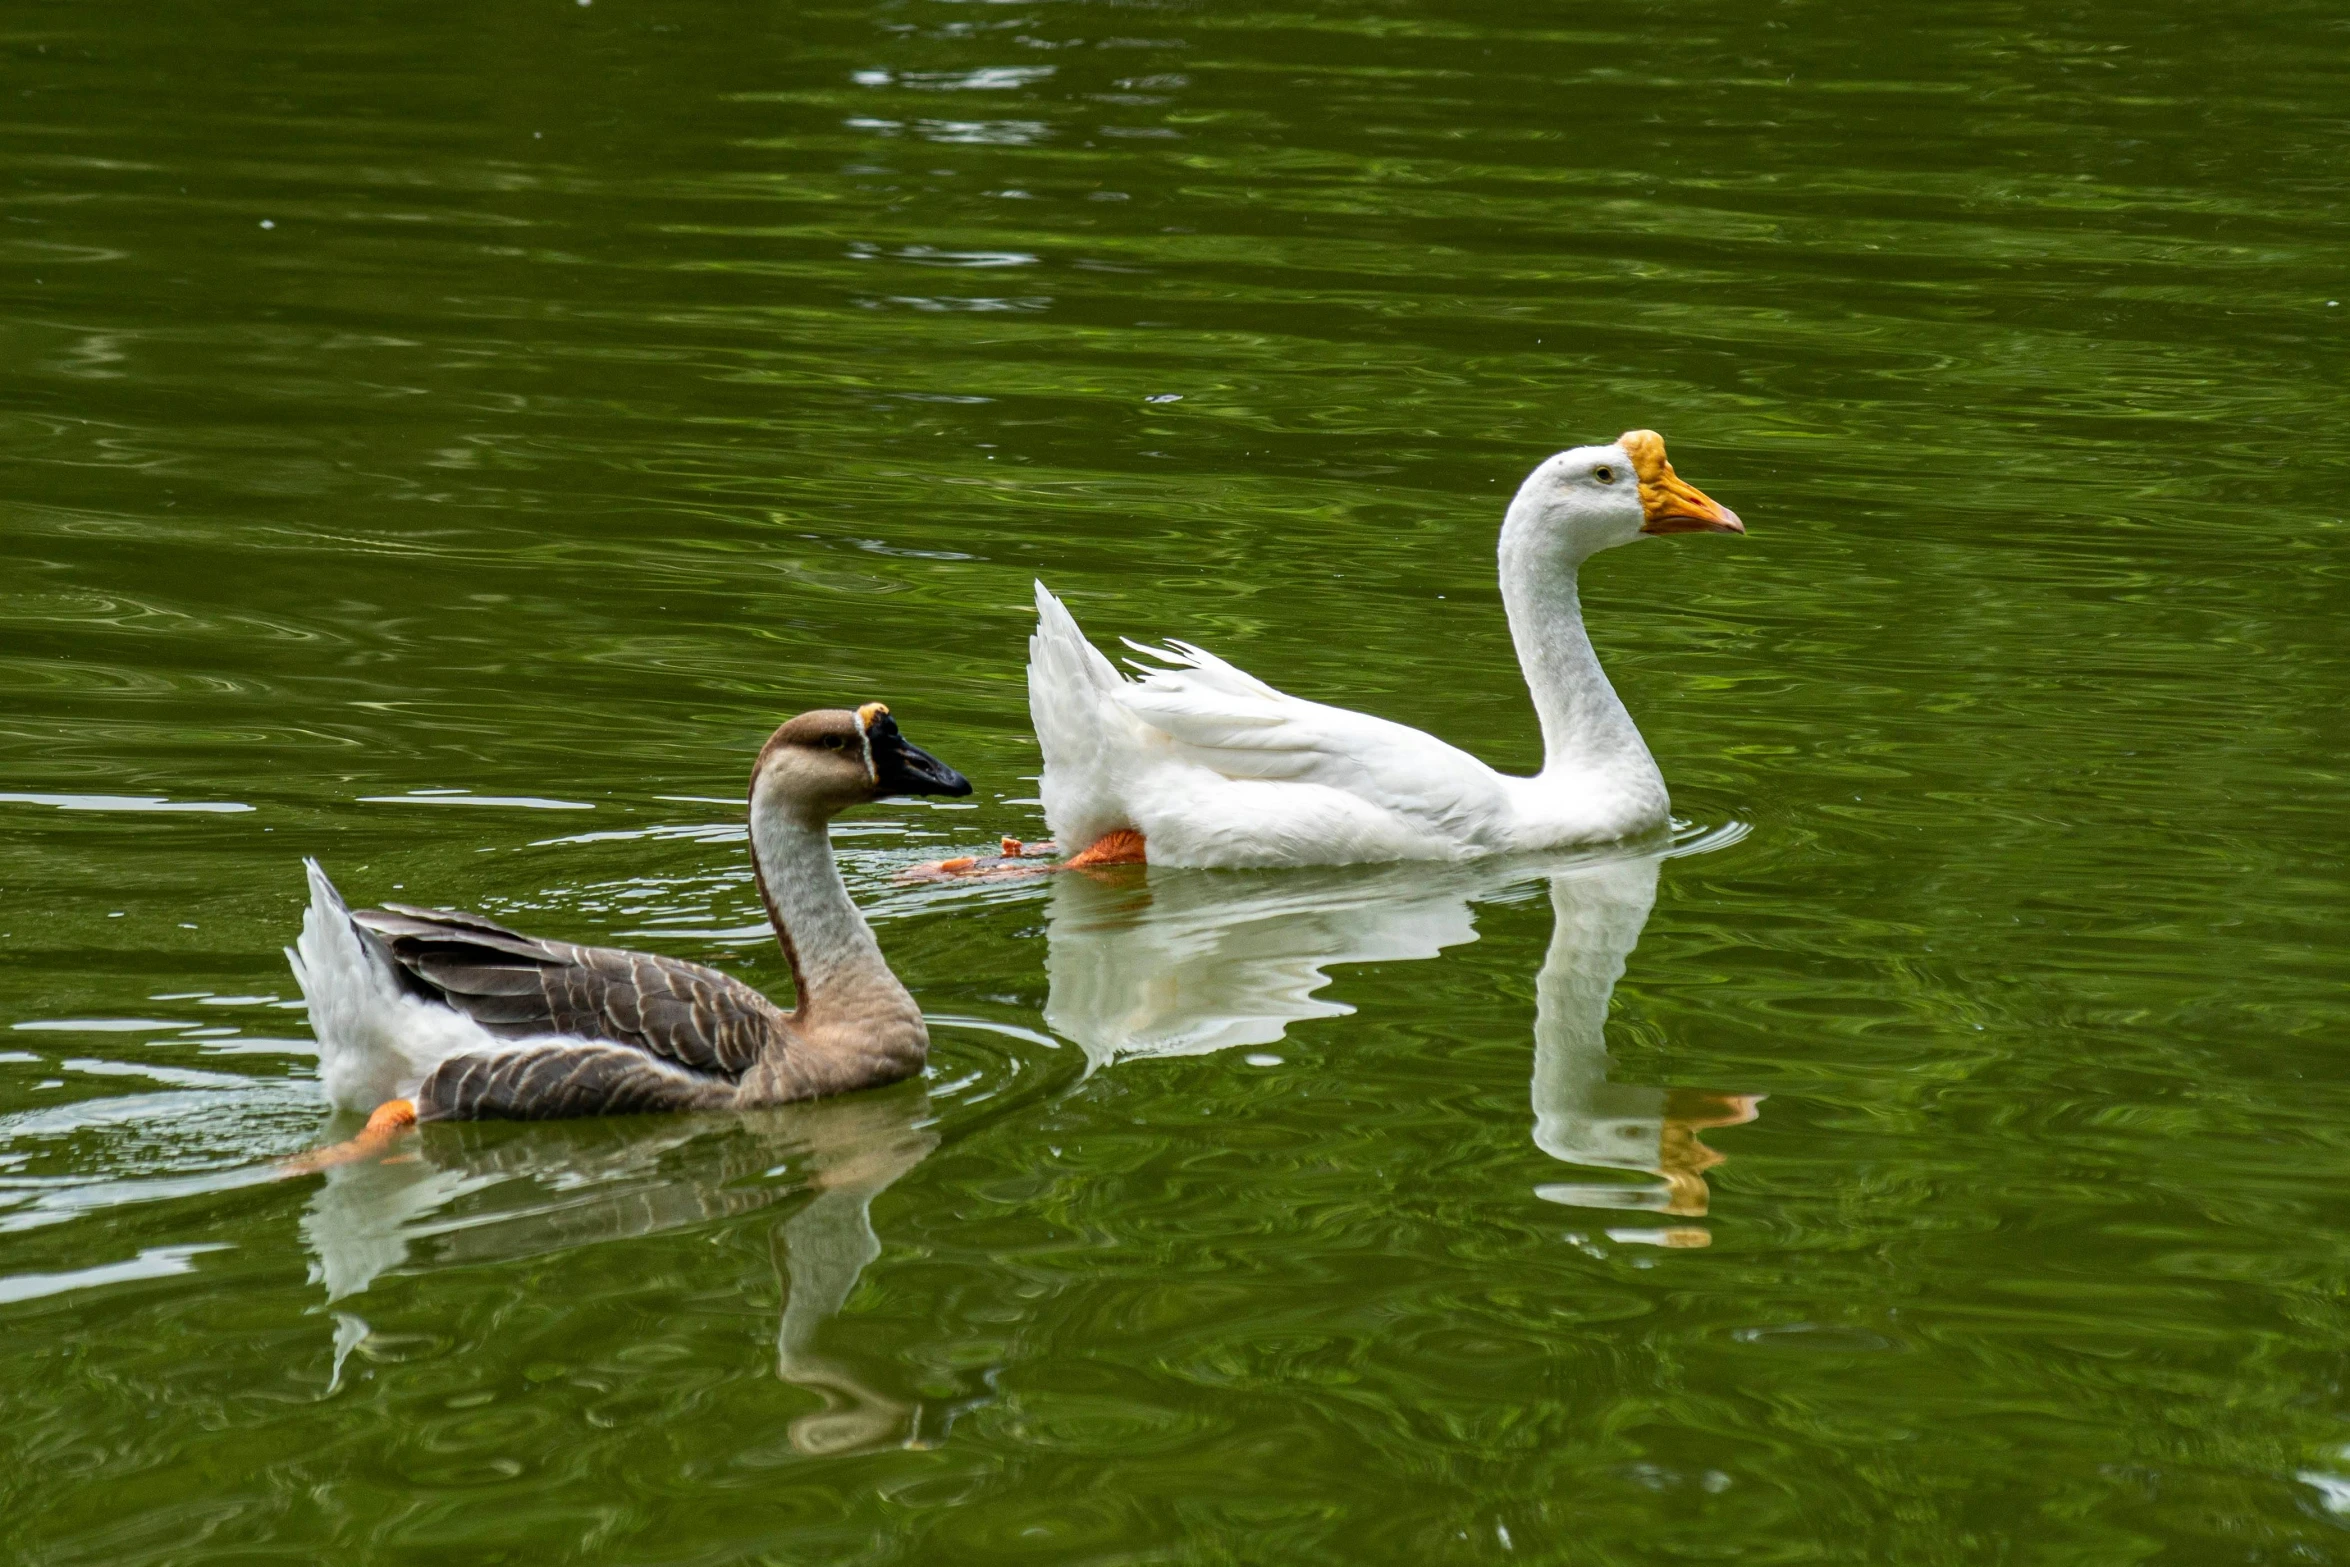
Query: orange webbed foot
1123	847
1014	858
384	1128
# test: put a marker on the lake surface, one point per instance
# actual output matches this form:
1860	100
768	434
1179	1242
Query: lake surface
446	441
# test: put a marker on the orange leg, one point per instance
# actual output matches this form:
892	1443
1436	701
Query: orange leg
1123	847
974	865
383	1128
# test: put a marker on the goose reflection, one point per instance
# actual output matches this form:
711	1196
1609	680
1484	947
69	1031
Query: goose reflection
1580	1117
1189	962
858	1148
554	1186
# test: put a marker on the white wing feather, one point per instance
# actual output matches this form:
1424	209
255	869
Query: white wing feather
1216	767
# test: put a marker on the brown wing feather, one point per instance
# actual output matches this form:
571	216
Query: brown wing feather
562	1079
453	917
517	986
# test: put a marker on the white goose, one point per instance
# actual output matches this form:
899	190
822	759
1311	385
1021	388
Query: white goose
1200	763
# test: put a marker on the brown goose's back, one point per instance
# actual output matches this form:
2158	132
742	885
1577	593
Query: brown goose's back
639	1031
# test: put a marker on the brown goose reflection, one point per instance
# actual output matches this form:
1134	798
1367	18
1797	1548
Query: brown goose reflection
1189	962
474	1193
857	1148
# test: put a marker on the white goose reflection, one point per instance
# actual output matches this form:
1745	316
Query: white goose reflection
477	1193
1188	962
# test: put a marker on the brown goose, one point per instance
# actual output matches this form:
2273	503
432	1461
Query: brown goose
424	1014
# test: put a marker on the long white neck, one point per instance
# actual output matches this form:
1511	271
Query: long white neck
1589	741
1597	914
835	960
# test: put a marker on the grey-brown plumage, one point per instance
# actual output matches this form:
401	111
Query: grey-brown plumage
651	1032
547	1029
519	986
564	1079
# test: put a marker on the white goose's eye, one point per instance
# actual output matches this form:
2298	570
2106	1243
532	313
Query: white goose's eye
1604	474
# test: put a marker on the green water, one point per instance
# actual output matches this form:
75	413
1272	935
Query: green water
537	402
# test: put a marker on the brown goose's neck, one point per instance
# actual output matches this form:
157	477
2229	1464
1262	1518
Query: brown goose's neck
848	998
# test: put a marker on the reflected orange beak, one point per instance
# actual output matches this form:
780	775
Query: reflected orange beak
1669	503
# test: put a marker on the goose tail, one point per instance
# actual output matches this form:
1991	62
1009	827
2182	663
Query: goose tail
1090	741
357	1002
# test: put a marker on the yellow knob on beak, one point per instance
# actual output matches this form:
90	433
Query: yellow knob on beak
1668	502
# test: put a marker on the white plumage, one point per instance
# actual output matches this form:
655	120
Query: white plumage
376	1040
1214	767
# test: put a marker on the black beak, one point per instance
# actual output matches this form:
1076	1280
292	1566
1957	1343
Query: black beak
901	767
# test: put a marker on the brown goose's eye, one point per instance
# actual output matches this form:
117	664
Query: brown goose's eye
1604	474
833	742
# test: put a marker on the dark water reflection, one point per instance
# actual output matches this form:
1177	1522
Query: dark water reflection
444	443
614	1182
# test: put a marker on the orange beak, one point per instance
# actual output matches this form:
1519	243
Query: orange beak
1669	503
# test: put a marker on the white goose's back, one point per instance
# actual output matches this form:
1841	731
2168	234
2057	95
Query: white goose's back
1214	767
